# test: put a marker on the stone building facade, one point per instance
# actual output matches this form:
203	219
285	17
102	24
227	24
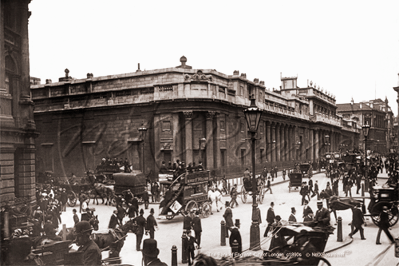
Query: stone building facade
17	126
192	115
378	114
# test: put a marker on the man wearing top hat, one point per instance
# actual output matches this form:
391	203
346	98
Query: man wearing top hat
384	225
357	222
322	217
197	227
151	224
150	253
141	221
235	236
91	252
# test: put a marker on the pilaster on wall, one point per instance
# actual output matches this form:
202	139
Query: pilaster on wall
268	142
278	143
209	139
188	126
273	131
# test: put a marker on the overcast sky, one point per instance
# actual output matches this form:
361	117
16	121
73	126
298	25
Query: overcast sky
349	48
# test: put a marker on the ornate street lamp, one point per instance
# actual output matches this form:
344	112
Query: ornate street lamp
143	131
366	129
253	115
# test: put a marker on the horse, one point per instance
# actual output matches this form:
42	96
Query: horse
339	204
102	190
113	239
215	196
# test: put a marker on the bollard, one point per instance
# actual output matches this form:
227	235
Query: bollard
64	232
234	248
339	231
222	233
362	189
184	248
6	225
174	256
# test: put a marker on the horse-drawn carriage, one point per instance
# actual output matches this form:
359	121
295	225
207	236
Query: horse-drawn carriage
248	190
134	181
305	167
188	192
295	180
384	196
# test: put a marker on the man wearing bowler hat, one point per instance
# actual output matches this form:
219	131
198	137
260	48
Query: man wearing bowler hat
90	250
292	218
322	217
150	253
141	222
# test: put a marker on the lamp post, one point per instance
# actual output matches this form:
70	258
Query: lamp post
253	115
143	131
366	129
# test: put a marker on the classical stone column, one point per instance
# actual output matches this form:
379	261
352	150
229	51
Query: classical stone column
278	142
177	139
289	143
317	148
287	148
273	131
282	134
209	140
311	144
268	142
188	129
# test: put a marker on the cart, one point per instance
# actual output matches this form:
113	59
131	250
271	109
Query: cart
73	191
247	190
384	196
134	181
304	167
188	192
295	180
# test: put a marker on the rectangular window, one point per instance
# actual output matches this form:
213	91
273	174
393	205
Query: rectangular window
222	125
165	126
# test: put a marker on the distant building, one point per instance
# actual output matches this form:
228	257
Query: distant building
191	115
17	126
378	114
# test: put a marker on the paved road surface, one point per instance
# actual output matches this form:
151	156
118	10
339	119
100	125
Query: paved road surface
360	252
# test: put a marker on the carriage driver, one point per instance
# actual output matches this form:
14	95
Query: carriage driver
91	252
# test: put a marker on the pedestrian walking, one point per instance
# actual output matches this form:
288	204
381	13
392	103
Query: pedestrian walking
235	239
187	222
384	225
64	199
292	218
270	219
304	192
140	221
197	227
284	173
145	197
151	224
120	213
113	220
310	185
228	217
233	195
75	217
357	222
191	241
268	186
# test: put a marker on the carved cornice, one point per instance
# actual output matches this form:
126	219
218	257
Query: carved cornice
199	77
210	114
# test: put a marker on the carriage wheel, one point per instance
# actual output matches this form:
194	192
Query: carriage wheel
261	196
392	213
243	195
192	204
71	199
206	209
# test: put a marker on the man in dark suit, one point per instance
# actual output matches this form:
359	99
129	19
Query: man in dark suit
190	247
187	222
120	213
151	224
113	221
316	190
146	199
197	228
357	222
64	199
384	225
269	218
292	218
235	235
304	192
140	221
322	217
228	217
310	183
75	217
307	211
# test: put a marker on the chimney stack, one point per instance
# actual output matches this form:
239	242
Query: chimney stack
236	73
48	81
89	75
243	75
256	80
